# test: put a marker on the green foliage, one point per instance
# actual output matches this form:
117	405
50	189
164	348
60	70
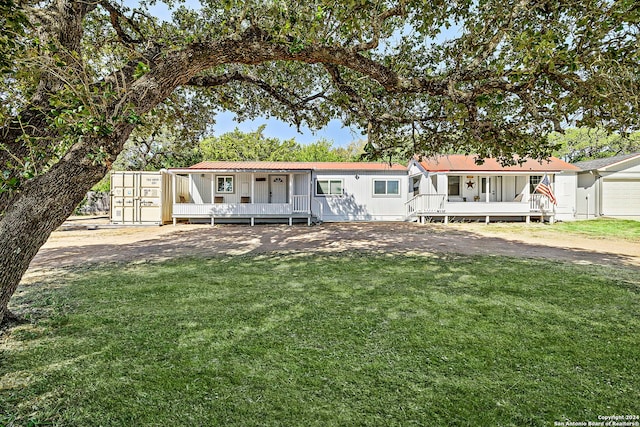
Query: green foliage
581	144
104	186
242	146
12	27
489	78
325	340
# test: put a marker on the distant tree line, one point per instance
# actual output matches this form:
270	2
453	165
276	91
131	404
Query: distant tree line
157	150
580	144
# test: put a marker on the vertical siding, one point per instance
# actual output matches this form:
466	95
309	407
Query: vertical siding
358	202
300	184
586	196
201	188
261	188
565	192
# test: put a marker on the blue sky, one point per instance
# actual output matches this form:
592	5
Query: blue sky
225	122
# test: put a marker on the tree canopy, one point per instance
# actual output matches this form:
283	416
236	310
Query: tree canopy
488	77
254	146
579	144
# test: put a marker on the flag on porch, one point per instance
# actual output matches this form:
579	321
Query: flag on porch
544	187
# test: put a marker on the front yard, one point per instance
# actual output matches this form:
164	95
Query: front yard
358	339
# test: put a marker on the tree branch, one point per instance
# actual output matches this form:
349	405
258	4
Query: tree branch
116	16
376	23
279	93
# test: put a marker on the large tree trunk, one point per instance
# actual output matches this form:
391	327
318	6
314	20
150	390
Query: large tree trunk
42	206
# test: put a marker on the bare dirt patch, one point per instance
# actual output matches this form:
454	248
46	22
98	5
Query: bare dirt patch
77	245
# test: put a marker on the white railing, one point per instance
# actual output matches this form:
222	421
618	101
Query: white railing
186	210
425	203
300	204
539	203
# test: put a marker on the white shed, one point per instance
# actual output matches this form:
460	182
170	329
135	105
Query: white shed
609	187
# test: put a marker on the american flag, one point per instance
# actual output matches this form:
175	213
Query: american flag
544	187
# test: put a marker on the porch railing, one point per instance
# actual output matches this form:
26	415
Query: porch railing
300	204
206	210
425	203
539	203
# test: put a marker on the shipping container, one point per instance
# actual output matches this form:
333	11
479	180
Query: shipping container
140	198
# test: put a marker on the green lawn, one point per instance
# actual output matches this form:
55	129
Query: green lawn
325	340
603	228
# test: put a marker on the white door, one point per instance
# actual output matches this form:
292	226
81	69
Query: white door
278	189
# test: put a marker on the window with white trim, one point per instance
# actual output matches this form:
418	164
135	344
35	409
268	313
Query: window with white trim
453	185
329	187
224	184
534	180
386	187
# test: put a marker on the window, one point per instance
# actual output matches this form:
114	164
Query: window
386	187
454	185
534	180
415	186
224	184
329	187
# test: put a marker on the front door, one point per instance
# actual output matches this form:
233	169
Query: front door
278	189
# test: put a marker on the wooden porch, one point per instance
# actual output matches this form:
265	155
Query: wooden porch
300	207
426	206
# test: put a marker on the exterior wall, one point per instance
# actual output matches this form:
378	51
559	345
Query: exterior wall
587	206
203	186
358	203
564	188
612	191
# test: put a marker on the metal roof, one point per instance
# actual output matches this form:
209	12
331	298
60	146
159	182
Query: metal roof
280	166
605	162
463	163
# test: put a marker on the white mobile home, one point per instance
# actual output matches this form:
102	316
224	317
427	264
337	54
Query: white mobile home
457	186
609	187
291	191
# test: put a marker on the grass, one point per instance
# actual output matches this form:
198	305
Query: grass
603	228
324	340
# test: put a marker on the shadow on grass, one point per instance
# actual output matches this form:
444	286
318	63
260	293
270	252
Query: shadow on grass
325	339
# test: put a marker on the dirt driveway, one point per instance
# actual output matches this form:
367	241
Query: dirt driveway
78	245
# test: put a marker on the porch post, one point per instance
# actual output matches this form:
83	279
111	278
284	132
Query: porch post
173	188
487	190
253	182
190	186
290	188
213	188
309	193
174	196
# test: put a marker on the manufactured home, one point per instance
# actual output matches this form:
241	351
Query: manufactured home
440	188
609	187
445	187
290	191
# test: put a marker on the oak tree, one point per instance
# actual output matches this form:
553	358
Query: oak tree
489	77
